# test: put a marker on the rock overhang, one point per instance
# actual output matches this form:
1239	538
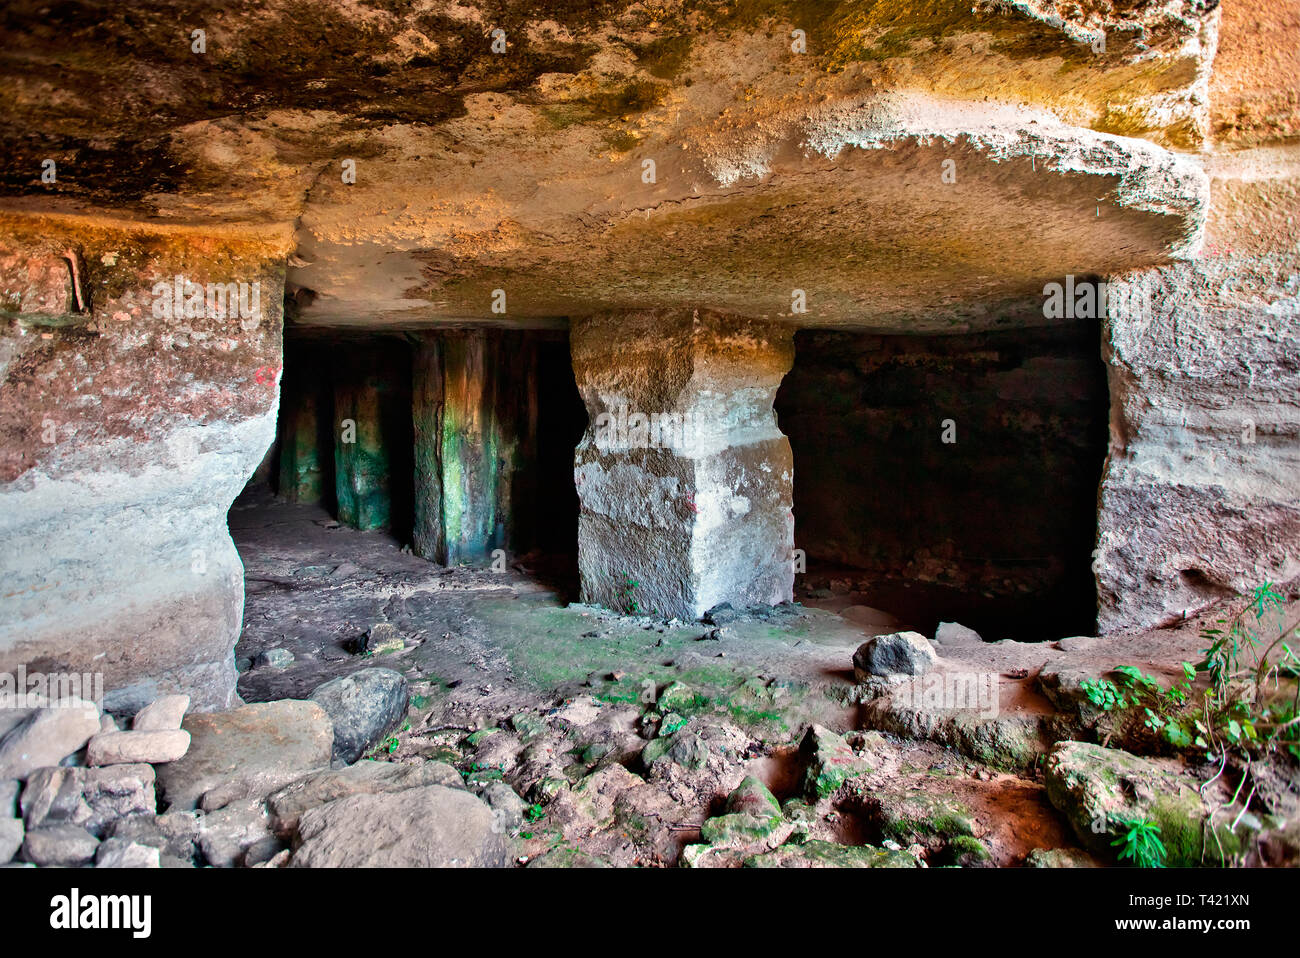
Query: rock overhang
896	212
796	145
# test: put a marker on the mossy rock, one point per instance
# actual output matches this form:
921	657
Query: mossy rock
477	738
741	831
528	725
753	816
915	816
830	762
754	692
1058	858
684	748
672	722
654	751
964	851
801	815
567	858
544	790
1095	788
678	697
596	751
822	854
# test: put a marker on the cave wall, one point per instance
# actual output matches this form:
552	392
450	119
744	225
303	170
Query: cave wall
1201	496
1006	510
124	438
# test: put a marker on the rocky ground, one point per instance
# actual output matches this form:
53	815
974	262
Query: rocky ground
400	713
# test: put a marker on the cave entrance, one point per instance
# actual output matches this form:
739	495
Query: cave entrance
949	478
455	444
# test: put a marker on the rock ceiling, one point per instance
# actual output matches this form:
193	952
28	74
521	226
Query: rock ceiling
907	164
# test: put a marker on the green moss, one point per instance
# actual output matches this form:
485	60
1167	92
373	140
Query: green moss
965	851
622	141
627	99
823	854
664	57
482	735
909	817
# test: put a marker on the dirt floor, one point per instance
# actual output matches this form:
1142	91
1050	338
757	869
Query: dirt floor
564	703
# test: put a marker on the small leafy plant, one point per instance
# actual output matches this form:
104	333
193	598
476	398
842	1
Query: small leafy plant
630	603
1234	712
1139	841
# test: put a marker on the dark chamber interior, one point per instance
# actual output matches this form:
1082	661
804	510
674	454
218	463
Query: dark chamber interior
994	530
482	437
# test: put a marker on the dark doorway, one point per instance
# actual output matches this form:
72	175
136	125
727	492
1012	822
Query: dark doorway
951	478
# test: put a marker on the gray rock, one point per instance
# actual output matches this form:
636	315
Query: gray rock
720	614
90	797
174	834
46	736
508	808
123	748
685	748
954	633
274	659
247	752
429	827
898	653
162	714
364	778
1076	643
364	707
9	791
11	716
120	853
238	834
65	845
11	838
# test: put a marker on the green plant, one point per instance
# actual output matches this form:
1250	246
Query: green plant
1246	652
1139	842
534	813
1237	711
630	585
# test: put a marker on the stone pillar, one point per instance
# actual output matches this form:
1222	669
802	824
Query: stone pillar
427	536
131	418
302	444
471	449
361	463
474	407
684	479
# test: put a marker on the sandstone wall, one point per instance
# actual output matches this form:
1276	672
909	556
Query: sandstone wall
1201	495
125	438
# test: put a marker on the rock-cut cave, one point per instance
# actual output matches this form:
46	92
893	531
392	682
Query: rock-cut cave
502	434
